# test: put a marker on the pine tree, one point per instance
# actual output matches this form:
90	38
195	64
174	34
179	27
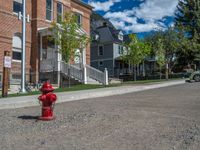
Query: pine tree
187	21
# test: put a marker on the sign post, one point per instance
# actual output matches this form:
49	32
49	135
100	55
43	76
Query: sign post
6	73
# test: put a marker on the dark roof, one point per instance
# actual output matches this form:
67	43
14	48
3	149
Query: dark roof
115	34
104	28
96	17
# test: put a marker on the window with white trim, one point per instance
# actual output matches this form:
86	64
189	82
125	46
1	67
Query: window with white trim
59	12
120	49
16	47
49	10
79	18
17	6
100	50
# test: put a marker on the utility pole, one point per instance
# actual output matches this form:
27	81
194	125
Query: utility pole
6	73
23	64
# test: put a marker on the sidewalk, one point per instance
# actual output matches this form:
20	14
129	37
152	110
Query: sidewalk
27	101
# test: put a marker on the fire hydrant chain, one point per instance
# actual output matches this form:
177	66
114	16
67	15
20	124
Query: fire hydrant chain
47	101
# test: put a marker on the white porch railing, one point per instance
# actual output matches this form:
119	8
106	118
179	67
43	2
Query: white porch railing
79	72
48	65
97	75
73	71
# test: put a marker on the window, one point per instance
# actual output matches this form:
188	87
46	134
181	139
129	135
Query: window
100	63
17	47
49	6
120	49
100	50
120	36
17	6
15	78
79	19
59	12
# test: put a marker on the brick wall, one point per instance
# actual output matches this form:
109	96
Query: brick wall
9	25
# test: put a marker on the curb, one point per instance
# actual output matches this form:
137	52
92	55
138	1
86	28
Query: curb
29	101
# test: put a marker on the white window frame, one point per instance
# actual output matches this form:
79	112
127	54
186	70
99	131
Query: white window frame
18	1
120	49
50	10
102	50
57	11
16	49
81	20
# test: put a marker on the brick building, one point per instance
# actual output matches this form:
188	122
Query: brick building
42	13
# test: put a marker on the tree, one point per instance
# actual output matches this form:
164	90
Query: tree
68	36
160	56
136	51
165	43
187	21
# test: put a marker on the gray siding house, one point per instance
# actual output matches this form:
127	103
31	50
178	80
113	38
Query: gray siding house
106	46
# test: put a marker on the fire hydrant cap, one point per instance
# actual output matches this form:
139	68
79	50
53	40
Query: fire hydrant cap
47	87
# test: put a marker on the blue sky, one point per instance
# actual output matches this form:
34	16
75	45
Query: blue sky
137	16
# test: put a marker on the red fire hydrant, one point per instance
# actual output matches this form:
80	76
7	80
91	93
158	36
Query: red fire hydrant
48	101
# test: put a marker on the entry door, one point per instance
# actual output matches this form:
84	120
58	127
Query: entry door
51	54
77	58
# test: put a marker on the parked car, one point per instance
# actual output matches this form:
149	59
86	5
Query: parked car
195	76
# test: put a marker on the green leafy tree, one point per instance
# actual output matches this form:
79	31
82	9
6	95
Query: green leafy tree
68	36
136	51
160	55
165	43
187	21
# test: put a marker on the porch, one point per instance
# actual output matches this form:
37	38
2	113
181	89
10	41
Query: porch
53	68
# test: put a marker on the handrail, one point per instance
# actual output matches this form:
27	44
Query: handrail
95	74
71	70
47	65
78	71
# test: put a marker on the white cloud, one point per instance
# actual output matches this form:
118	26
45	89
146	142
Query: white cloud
156	9
152	12
103	6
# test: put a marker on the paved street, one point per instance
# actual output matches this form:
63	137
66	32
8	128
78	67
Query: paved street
159	119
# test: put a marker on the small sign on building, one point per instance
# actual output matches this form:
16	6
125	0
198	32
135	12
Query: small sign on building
7	62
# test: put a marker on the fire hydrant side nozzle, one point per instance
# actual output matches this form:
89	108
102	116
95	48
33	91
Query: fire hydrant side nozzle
48	101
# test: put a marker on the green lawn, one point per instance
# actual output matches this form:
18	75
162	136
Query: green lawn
67	89
91	86
148	81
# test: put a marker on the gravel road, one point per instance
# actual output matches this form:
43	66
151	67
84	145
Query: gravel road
160	119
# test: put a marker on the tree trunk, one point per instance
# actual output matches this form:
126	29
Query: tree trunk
69	75
160	72
143	69
166	71
129	67
138	70
135	73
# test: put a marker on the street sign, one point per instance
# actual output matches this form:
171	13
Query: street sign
6	73
7	62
